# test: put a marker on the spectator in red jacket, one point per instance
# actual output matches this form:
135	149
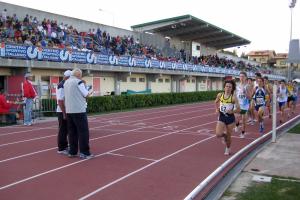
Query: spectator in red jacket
29	94
5	108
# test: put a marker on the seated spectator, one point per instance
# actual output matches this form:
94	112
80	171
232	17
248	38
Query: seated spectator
5	109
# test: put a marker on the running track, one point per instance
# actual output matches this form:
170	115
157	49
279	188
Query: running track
153	154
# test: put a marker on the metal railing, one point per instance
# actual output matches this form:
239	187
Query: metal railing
231	160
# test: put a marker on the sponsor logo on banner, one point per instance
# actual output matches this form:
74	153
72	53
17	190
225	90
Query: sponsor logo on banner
148	63
113	60
174	66
131	62
91	58
32	52
64	55
161	65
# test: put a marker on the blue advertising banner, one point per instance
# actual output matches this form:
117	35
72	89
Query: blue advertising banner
85	57
15	51
51	54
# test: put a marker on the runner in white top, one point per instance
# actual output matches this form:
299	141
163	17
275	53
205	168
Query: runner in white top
243	93
251	109
282	94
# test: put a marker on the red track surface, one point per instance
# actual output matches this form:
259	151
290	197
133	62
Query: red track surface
160	153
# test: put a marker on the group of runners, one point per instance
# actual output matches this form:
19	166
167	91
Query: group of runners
248	101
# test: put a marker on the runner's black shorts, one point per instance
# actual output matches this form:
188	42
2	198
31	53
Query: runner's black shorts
290	98
226	119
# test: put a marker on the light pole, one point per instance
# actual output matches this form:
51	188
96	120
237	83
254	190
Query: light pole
291	6
109	12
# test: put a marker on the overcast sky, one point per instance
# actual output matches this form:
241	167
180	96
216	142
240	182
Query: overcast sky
266	23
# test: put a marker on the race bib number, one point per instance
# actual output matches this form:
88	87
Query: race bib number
260	101
223	109
242	96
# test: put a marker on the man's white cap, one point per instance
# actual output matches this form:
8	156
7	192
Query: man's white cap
68	73
28	75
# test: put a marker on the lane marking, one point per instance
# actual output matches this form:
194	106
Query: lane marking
125	123
110	135
140	120
36	129
143	168
128	156
28	140
77	162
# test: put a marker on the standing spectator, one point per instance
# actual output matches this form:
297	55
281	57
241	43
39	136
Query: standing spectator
62	141
29	94
75	102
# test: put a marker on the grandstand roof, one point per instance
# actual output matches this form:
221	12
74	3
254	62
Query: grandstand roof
190	28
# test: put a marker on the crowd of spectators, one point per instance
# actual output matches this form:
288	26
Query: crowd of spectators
50	33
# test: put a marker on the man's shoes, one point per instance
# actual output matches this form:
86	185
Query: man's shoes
72	155
85	156
64	152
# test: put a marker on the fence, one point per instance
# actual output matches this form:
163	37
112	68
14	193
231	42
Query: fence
41	107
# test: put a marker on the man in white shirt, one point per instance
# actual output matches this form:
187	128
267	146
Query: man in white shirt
76	105
62	141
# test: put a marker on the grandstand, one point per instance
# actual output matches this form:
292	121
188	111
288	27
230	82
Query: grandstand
178	54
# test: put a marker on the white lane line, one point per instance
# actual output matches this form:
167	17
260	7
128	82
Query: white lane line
95	128
143	168
110	135
29	140
128	156
74	163
124	123
36	129
28	154
141	112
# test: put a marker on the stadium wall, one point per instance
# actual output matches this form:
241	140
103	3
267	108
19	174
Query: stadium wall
161	85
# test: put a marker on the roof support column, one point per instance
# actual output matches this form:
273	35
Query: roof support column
118	79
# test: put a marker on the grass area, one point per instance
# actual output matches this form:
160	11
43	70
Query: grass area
295	129
276	190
